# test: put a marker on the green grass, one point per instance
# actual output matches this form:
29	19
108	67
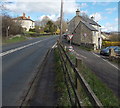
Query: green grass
14	40
104	94
63	98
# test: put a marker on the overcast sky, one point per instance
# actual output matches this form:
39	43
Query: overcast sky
105	13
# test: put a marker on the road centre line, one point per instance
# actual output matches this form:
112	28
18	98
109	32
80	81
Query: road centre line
107	61
19	48
79	55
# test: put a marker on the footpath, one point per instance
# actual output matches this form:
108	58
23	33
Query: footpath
45	93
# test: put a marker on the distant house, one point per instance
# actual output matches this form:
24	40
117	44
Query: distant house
86	31
26	22
105	36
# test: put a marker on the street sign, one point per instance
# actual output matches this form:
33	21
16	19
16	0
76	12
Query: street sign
70	36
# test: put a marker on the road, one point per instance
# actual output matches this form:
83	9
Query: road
19	65
108	72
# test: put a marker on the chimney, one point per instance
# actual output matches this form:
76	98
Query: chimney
24	15
92	18
77	12
28	17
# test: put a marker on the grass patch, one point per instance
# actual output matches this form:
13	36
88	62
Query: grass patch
63	98
14	40
104	94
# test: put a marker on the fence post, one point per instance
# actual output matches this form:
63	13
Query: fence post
77	83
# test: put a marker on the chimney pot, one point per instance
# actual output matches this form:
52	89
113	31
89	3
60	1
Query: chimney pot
77	12
23	14
28	17
92	18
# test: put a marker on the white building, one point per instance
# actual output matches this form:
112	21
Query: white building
85	31
26	22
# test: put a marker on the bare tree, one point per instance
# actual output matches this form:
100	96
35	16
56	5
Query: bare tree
64	23
44	21
10	27
3	9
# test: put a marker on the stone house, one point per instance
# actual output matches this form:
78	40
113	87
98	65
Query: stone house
85	31
25	22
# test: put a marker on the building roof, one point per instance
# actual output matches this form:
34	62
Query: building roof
23	18
90	21
89	26
19	18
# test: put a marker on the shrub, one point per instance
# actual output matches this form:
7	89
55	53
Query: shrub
109	43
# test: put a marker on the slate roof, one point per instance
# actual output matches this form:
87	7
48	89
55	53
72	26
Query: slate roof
90	21
89	26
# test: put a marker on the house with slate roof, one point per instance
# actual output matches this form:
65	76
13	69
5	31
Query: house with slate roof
85	31
26	22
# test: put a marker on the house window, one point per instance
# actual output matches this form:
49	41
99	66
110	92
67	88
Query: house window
94	33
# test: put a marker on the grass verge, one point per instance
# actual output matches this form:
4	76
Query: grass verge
63	98
14	40
104	94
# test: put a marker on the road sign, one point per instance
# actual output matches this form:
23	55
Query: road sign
70	36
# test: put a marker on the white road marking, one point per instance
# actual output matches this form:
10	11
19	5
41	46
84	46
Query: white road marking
96	55
19	48
54	45
107	61
79	55
111	64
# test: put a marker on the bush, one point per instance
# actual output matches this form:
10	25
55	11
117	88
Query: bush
31	30
109	43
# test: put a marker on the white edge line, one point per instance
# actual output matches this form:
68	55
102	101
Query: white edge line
111	64
96	54
19	48
107	61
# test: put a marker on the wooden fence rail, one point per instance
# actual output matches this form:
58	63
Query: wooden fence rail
73	83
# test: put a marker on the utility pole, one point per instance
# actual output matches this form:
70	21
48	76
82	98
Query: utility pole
7	29
61	17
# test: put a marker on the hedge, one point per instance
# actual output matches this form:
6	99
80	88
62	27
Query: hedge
109	43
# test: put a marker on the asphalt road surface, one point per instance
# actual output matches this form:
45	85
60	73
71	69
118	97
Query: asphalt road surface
108	72
19	65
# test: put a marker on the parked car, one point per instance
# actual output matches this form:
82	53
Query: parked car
117	51
105	51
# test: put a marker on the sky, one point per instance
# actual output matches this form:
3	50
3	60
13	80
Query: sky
105	13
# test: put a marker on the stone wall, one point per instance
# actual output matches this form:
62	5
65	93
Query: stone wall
82	35
73	23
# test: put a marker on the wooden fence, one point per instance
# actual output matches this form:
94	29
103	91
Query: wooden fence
73	80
